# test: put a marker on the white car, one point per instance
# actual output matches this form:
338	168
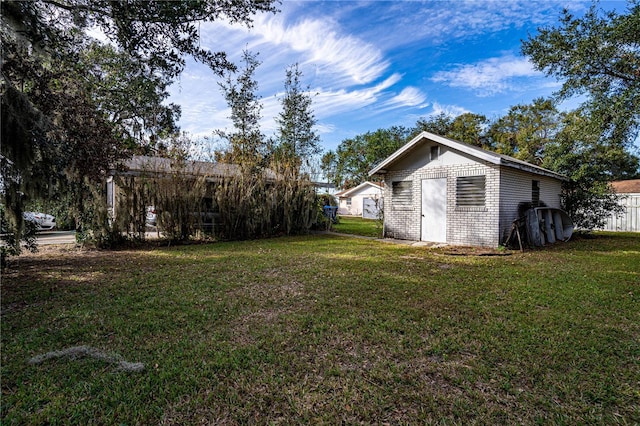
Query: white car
43	221
152	217
206	218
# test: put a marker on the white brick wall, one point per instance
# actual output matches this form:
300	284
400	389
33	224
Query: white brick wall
473	225
400	222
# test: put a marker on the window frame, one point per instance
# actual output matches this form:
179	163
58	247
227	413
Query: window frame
434	149
471	192
402	194
535	192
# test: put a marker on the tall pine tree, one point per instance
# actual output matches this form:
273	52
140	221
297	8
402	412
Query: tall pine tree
297	138
247	146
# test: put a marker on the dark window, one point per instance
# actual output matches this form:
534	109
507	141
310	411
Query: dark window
435	152
535	192
402	193
470	191
349	201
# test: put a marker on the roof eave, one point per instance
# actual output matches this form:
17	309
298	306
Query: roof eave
467	149
478	153
532	169
346	192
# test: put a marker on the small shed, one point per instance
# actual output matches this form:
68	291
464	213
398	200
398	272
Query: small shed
629	220
441	190
364	200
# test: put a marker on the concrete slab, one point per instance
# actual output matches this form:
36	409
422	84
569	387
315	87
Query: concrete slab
55	237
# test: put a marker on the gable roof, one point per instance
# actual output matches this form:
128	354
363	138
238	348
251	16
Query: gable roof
473	151
349	191
626	186
140	165
161	165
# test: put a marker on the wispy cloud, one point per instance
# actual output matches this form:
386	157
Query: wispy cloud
321	42
494	75
410	96
371	64
329	102
436	24
409	99
345	72
449	110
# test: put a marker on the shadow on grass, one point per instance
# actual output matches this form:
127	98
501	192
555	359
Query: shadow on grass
598	241
324	329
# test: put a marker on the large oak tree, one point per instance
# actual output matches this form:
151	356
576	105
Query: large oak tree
596	56
72	108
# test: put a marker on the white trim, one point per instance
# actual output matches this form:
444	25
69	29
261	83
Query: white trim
488	156
346	192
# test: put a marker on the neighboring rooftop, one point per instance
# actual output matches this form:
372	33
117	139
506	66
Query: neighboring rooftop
627	186
347	192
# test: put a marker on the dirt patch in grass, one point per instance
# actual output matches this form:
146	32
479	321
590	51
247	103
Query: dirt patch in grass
60	262
53	272
471	251
264	303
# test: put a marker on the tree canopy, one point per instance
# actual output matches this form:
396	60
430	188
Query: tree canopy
158	33
356	156
73	107
598	56
525	130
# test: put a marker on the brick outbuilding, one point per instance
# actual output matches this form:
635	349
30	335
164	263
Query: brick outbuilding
441	190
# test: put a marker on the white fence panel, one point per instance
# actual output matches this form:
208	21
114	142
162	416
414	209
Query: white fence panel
629	220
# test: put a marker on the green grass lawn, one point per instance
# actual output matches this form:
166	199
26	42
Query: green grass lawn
326	329
358	226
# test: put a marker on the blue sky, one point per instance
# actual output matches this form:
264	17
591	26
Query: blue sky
376	64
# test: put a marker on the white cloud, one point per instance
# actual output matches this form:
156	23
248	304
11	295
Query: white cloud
449	110
410	96
345	72
333	102
320	42
388	82
329	102
436	24
324	128
494	75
